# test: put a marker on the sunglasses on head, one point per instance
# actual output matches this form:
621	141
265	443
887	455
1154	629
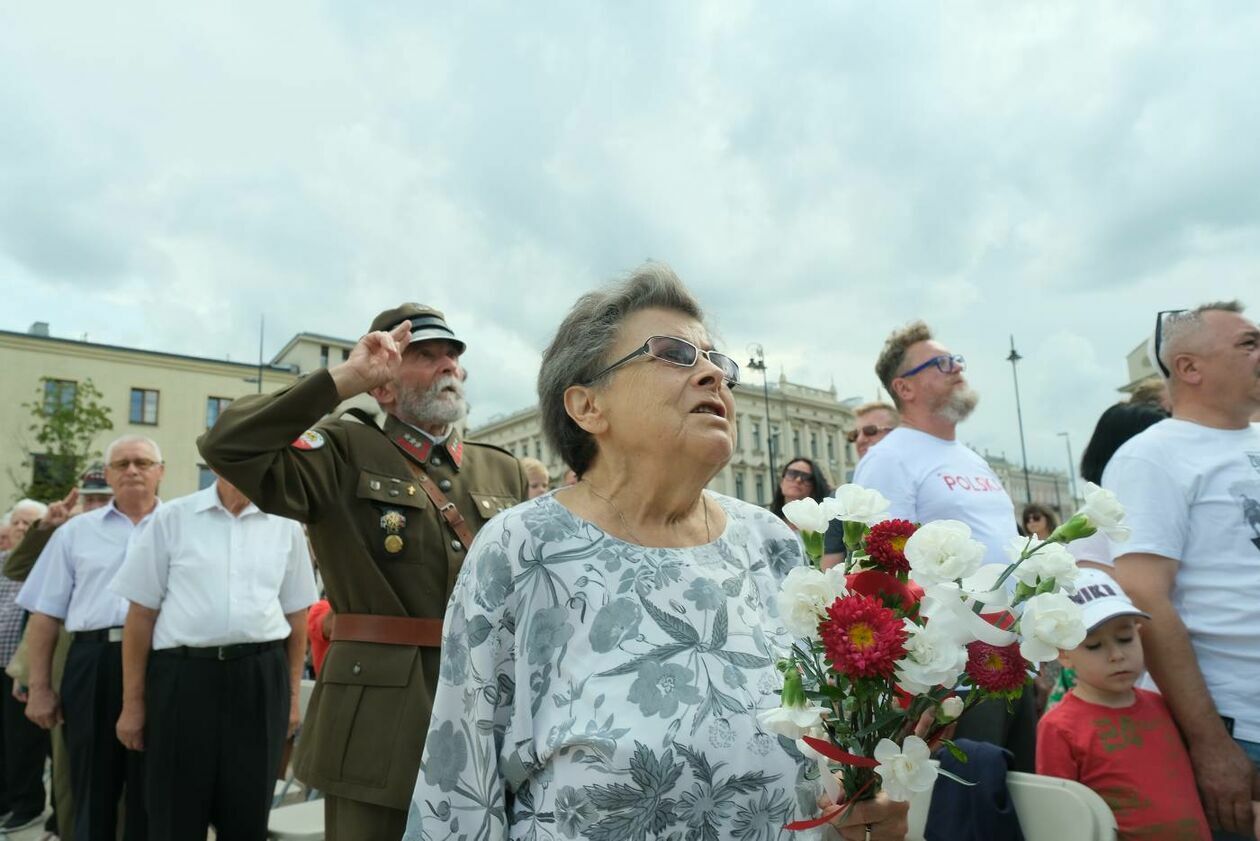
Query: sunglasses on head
1159	338
798	475
946	363
676	351
869	431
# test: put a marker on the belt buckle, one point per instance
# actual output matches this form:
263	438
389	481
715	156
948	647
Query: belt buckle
114	635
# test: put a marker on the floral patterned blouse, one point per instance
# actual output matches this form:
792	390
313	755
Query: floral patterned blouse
592	688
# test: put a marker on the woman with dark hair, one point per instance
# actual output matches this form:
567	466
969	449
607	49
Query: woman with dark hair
1116	426
800	479
1038	520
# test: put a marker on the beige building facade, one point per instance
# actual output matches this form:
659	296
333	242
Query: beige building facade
1050	488
168	397
803	421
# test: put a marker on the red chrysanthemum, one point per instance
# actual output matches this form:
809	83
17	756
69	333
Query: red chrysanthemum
886	544
862	637
999	669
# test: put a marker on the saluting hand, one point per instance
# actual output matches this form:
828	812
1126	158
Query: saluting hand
59	512
373	361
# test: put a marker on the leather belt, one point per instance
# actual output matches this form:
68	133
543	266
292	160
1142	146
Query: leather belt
220	652
388	630
100	635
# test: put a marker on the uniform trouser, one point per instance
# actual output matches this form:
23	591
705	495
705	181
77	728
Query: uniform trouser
214	732
1016	730
101	769
25	747
352	820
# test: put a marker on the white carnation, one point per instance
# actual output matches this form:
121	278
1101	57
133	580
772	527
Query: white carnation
806	514
934	657
860	505
905	770
1105	513
792	722
804	597
943	551
1051	621
1052	560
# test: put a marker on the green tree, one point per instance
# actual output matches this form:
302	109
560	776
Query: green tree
66	418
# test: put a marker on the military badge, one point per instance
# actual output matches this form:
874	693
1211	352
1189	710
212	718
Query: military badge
311	439
393	521
393	544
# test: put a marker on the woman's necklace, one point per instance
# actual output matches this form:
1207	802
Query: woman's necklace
703	502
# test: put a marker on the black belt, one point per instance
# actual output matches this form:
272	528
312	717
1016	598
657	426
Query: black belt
221	652
100	635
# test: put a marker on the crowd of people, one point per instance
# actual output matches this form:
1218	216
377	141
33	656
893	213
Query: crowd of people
497	659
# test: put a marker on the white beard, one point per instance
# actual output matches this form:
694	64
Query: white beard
434	405
959	405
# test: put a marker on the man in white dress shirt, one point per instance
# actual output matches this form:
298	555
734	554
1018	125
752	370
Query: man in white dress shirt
70	585
213	650
928	474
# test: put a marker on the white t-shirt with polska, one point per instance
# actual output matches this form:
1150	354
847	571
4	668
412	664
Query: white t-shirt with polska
1192	493
928	478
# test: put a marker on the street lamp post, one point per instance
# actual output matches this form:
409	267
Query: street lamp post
1067	439
1019	414
757	362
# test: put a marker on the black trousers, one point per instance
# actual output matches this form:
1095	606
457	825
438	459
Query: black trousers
214	732
102	771
1015	730
23	749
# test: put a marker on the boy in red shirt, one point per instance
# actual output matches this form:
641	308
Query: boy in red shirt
1119	740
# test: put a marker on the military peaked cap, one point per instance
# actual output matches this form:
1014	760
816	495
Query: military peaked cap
426	323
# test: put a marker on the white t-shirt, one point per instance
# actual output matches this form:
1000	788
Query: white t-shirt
1095	548
927	478
1192	493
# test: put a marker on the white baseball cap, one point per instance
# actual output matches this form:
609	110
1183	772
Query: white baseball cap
1101	598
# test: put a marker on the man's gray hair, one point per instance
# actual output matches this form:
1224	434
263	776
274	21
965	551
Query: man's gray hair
35	505
893	355
582	344
1180	327
132	439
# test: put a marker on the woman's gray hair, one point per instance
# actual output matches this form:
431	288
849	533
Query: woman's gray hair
582	344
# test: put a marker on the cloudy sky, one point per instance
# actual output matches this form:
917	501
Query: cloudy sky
817	173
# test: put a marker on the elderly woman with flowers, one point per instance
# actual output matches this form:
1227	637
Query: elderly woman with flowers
609	646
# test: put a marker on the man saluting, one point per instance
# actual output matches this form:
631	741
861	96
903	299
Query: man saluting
390	513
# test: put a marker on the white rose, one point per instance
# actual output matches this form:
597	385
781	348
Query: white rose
792	722
1105	513
1051	560
904	770
951	708
1051	621
943	551
860	505
804	597
806	514
934	657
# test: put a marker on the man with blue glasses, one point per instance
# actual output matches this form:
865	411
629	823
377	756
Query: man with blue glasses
928	474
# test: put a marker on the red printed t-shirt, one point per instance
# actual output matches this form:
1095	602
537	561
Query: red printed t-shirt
1134	757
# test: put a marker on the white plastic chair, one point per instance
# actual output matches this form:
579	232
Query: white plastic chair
297	822
1049	809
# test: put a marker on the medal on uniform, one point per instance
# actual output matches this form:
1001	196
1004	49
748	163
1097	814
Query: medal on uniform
392	522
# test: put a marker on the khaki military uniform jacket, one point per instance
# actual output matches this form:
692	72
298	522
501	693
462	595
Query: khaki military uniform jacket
20	562
382	548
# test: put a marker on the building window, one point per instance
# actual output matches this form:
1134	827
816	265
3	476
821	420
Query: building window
796	441
775	447
59	394
761	489
813	445
205	477
144	406
538	448
831	448
739	486
214	406
756	435
323	356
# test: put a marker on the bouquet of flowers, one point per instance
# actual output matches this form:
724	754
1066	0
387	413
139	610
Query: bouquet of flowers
914	624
